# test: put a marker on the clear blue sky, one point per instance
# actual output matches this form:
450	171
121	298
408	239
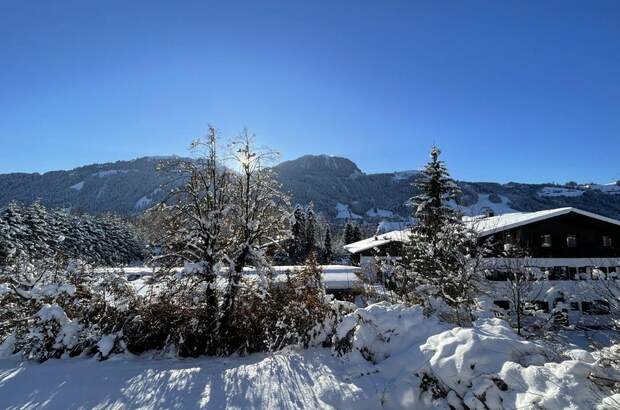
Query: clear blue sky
524	91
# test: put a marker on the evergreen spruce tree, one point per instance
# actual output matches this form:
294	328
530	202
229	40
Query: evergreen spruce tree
6	245
356	234
443	255
15	242
311	230
436	188
327	246
39	234
298	232
348	233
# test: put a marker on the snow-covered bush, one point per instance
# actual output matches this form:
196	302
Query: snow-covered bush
294	312
181	322
299	308
381	330
50	334
50	313
420	362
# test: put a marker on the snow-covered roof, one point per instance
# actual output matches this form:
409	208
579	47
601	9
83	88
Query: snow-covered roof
378	240
483	225
493	224
334	277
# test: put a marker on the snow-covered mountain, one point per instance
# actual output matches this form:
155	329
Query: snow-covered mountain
335	185
340	190
122	187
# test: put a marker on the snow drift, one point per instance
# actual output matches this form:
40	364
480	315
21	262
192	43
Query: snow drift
424	363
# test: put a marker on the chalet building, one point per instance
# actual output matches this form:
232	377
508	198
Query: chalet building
576	253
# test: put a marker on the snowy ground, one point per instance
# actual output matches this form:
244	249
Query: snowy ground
393	357
311	379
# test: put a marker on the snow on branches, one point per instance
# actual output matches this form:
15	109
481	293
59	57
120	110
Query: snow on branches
442	265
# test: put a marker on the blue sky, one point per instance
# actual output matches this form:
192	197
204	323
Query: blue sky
522	91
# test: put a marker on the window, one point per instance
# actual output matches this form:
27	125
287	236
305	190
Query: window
572	273
496	275
541	305
583	272
558	273
508	242
503	304
571	241
607	241
574	305
596	307
545	241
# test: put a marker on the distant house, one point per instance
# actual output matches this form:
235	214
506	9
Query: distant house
571	249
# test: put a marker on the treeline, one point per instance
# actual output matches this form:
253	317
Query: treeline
37	233
309	235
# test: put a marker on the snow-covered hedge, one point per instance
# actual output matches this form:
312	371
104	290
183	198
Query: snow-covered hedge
49	314
426	364
52	314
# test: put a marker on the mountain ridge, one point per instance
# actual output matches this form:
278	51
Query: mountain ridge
335	186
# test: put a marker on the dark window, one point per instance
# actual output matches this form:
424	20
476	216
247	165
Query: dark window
558	273
504	304
607	241
571	241
541	305
545	241
596	307
572	273
496	275
583	272
574	305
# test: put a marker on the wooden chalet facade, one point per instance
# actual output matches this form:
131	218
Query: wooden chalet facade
570	249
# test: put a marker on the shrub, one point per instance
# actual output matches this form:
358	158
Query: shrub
78	311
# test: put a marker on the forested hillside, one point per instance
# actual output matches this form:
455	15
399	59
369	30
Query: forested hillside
336	187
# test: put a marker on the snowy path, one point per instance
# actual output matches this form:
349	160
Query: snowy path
310	379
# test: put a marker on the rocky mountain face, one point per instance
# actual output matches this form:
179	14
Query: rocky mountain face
336	186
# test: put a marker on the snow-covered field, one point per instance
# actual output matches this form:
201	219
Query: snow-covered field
309	379
343	212
484	204
386	356
611	189
559	191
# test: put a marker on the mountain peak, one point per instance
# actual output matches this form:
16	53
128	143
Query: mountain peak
320	164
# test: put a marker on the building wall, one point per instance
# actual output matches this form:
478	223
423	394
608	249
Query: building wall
588	231
579	277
